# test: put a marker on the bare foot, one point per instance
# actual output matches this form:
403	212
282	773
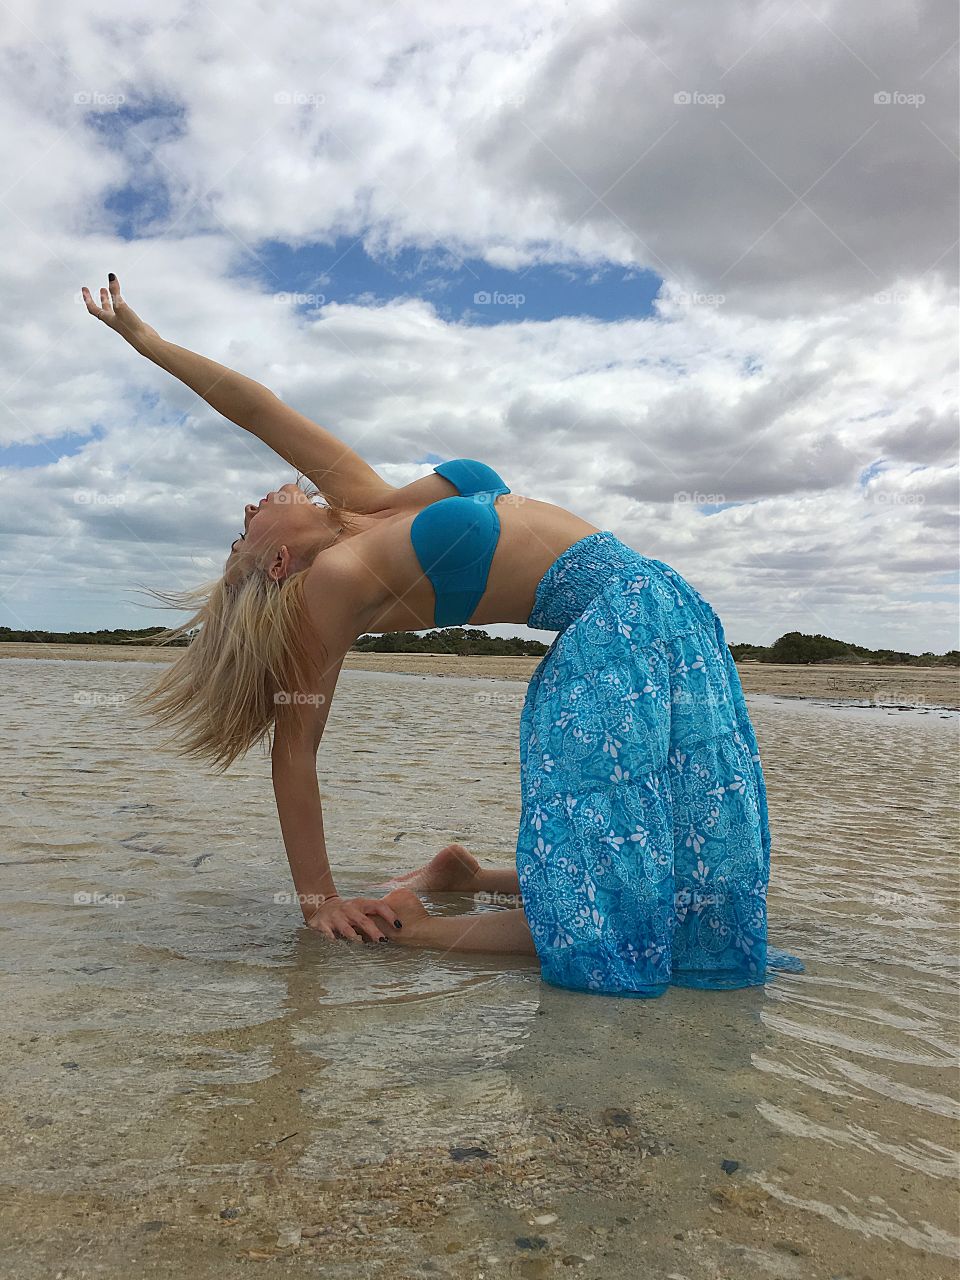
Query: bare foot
407	905
409	912
453	870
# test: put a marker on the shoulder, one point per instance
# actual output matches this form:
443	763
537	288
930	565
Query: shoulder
334	597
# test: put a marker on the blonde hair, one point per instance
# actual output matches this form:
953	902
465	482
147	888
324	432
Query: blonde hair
251	648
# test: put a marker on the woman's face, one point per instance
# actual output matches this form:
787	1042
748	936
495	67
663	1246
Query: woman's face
285	520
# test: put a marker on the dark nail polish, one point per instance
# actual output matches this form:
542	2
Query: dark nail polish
381	939
111	276
398	924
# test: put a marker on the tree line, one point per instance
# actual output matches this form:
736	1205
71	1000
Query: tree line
795	647
468	641
143	635
792	648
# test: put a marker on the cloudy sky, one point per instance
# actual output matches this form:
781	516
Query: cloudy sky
689	270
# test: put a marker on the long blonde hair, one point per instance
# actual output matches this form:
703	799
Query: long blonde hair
250	647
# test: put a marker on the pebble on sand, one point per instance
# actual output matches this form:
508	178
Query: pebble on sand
617	1118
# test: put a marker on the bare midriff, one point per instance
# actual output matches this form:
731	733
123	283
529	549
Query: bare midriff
395	595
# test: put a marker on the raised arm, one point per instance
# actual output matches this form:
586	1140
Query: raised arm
338	471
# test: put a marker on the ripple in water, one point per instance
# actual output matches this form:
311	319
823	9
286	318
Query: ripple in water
158	974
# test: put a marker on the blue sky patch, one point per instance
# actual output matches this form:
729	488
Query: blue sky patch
464	290
867	474
711	508
142	205
43	452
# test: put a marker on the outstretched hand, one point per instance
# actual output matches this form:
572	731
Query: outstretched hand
116	314
351	918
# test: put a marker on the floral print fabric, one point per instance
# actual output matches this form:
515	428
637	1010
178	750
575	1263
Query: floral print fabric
644	845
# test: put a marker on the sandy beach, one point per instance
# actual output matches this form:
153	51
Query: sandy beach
880	685
195	1084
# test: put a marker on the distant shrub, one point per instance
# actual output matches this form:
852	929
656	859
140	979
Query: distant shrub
794	647
142	635
466	641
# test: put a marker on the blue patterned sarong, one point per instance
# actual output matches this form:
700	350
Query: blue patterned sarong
644	843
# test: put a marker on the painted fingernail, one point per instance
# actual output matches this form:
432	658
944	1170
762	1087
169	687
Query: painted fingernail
381	939
398	924
111	276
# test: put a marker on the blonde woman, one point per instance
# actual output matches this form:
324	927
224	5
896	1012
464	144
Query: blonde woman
643	851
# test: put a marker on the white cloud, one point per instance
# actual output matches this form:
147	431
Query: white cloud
828	343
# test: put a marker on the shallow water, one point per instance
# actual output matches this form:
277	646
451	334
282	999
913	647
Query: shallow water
179	1045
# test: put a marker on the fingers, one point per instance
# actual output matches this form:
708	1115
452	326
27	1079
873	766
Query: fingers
346	931
91	305
364	924
352	925
353	921
109	299
377	906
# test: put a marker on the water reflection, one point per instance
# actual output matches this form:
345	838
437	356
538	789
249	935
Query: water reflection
180	1027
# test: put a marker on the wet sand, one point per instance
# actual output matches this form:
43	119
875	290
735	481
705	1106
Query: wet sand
880	685
192	1083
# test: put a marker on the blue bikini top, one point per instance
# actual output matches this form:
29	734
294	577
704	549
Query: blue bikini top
455	538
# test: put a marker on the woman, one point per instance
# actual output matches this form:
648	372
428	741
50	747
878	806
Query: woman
644	848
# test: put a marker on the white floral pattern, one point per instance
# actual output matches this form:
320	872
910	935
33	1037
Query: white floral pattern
644	843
